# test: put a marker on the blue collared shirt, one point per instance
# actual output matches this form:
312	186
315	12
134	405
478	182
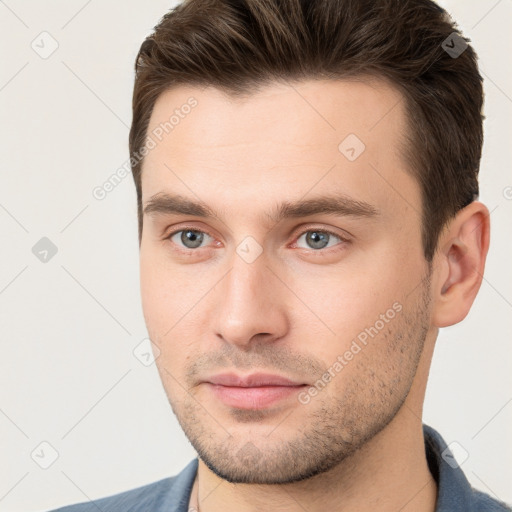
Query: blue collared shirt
454	492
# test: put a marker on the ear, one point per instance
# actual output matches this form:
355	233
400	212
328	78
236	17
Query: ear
459	264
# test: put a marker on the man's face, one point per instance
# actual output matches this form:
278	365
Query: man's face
336	299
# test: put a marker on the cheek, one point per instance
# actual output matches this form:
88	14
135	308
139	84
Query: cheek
356	316
345	301
161	295
152	287
172	299
379	370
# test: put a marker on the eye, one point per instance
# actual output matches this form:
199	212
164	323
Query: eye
189	238
319	239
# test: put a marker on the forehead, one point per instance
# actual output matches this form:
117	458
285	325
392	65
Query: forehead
327	107
285	138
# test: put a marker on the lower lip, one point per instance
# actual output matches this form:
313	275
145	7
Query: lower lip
252	398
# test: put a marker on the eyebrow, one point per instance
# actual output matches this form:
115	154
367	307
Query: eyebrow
338	205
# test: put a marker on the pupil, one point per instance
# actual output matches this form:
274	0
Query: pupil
191	239
318	240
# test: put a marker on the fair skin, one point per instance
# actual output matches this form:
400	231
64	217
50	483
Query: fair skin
357	444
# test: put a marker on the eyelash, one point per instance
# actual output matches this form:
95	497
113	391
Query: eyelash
309	230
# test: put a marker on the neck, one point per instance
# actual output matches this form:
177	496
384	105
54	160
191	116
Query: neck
389	473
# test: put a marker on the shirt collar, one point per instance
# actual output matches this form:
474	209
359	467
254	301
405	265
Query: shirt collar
454	492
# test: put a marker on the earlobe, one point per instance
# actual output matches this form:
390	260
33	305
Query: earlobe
459	264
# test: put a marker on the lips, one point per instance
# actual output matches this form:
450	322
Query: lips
256	391
249	381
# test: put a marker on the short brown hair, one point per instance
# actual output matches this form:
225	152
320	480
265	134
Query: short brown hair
240	45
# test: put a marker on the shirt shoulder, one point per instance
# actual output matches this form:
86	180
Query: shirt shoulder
142	498
170	494
485	503
454	492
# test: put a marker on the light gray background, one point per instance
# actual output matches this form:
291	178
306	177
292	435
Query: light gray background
69	326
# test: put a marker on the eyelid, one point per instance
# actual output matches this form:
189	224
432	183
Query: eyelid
321	252
186	228
315	227
167	237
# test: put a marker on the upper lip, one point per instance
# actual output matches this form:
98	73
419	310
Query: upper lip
253	380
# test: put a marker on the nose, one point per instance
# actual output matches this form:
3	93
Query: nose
250	306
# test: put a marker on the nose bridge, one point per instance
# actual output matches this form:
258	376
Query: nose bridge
248	304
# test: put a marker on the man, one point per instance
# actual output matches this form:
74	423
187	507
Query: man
306	174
